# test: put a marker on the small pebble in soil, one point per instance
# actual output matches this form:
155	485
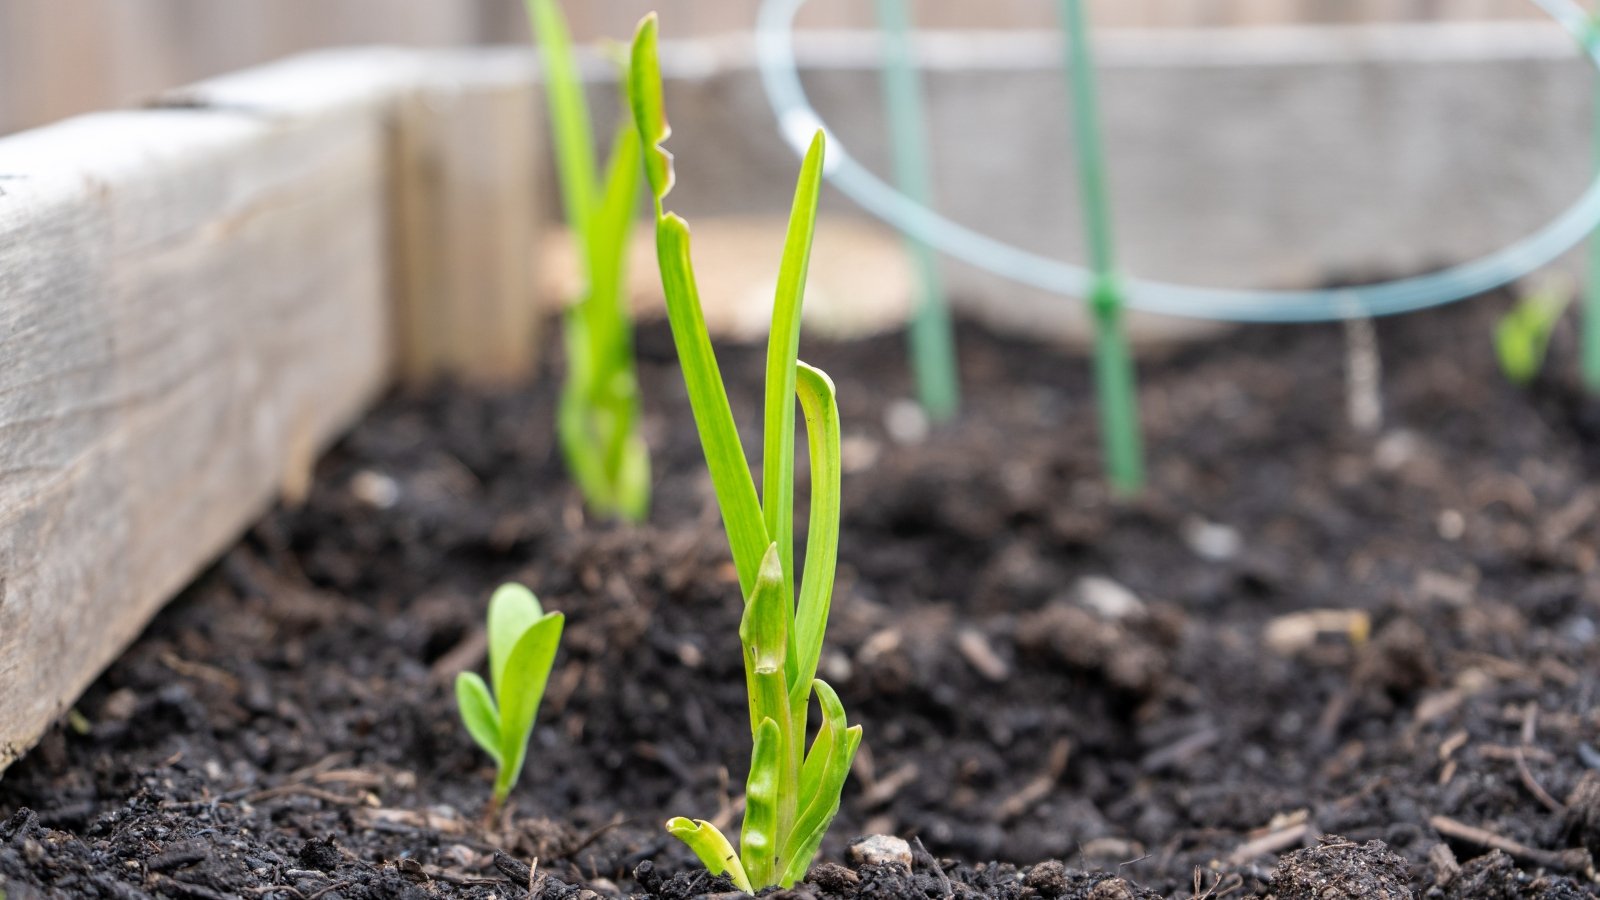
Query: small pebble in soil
1452	524
906	422
1396	449
880	850
1109	599
375	489
1211	541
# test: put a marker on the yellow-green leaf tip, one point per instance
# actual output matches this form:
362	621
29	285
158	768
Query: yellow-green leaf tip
649	106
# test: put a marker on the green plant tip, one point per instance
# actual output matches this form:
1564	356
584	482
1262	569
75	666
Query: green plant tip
1522	336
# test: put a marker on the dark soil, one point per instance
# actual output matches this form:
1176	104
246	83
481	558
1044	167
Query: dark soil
1110	700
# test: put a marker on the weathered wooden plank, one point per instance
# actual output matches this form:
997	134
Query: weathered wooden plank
462	168
187	300
467	212
195	299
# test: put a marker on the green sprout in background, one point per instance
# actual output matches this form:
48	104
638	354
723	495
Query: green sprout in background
1591	298
792	795
1522	336
933	345
1118	396
522	647
598	418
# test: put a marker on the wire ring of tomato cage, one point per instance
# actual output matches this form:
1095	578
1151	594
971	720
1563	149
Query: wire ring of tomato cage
798	121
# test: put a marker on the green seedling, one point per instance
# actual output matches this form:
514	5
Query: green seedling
792	795
522	646
1522	336
598	417
1590	335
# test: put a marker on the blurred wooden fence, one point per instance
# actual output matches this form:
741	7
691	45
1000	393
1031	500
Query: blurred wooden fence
60	57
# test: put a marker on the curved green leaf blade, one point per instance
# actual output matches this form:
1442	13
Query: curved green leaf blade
712	848
604	308
569	114
821	408
713	416
758	838
512	611
826	775
708	400
633	480
833	725
575	425
612	396
1522	336
527	672
478	713
649	107
597	419
783	347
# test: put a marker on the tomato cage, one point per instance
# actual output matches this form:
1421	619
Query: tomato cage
798	119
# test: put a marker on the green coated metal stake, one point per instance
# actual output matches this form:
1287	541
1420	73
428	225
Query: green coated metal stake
933	347
1591	298
1113	363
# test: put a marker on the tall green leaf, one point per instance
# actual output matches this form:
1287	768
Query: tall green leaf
597	419
608	250
708	400
569	114
783	345
613	393
821	407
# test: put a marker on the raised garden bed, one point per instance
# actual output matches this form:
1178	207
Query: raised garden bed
1020	705
1299	642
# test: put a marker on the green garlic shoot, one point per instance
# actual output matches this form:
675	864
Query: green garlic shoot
522	647
597	421
1522	336
792	795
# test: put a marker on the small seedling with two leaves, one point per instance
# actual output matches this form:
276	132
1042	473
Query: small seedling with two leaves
597	422
522	647
792	795
1522	336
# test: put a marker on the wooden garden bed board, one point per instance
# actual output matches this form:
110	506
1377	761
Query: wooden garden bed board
194	300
